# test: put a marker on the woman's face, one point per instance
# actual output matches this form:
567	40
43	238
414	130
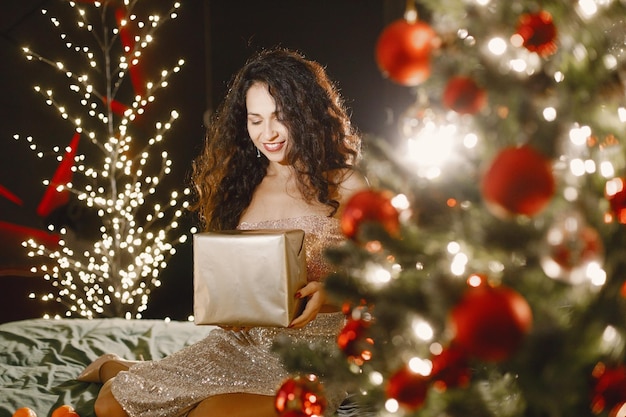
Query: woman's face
265	128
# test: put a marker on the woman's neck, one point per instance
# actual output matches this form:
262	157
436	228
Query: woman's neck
280	171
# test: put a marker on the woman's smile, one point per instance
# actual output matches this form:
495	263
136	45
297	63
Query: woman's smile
274	146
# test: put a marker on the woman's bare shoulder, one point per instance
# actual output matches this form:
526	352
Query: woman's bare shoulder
351	181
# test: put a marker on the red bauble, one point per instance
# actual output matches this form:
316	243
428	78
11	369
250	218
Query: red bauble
538	33
570	247
354	340
490	322
615	191
519	181
403	51
450	369
609	392
24	412
408	388
369	206
300	396
65	410
464	96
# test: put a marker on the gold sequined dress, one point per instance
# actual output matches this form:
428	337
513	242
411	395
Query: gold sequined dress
228	361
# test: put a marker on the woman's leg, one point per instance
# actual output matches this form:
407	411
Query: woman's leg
104	368
110	369
231	405
106	405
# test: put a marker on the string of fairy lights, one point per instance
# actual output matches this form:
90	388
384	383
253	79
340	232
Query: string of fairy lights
115	274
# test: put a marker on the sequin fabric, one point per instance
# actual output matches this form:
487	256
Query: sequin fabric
234	362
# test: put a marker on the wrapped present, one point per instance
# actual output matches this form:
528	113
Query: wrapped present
248	277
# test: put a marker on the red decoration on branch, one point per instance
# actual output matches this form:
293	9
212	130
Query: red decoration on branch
300	396
18	233
570	246
609	392
464	96
538	33
615	191
450	369
408	388
490	323
369	206
403	51
4	192
53	198
519	181
354	341
116	106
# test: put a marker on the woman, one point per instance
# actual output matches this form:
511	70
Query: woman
279	154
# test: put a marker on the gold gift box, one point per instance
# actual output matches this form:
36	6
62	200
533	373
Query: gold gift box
248	277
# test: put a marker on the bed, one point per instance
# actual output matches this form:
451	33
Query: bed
40	358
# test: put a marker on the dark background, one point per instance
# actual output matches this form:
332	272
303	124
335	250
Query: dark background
215	38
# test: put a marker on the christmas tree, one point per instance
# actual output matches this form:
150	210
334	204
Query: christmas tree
107	96
484	272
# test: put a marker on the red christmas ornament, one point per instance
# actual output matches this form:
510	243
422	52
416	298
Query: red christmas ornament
65	410
354	341
609	392
403	51
570	247
519	181
615	191
408	388
537	33
24	412
464	96
490	322
450	369
369	206
300	396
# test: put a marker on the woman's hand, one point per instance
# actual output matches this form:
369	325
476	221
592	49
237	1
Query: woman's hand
315	291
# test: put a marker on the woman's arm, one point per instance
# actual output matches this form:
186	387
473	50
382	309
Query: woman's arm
352	182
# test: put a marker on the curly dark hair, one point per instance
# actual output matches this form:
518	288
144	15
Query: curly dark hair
324	142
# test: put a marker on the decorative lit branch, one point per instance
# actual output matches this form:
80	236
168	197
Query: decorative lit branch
114	274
